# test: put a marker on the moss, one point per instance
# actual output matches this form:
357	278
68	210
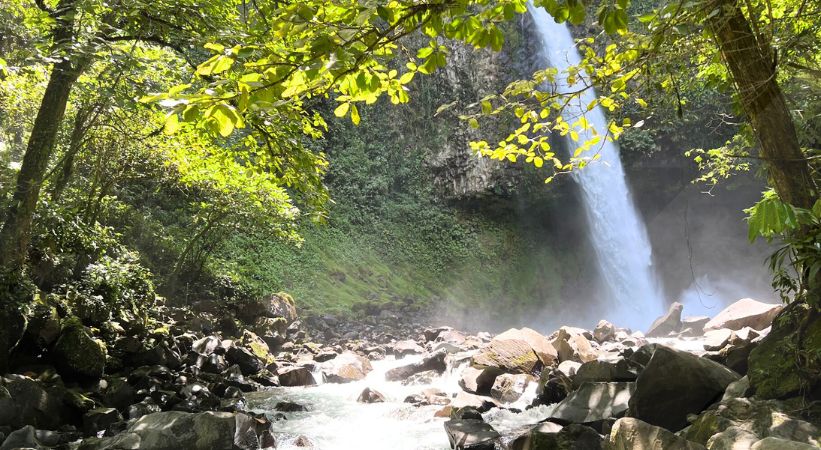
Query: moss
773	371
76	354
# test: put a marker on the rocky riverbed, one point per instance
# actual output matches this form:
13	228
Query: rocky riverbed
260	377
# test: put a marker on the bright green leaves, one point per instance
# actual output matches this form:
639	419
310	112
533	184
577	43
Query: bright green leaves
573	11
771	217
434	57
223	118
613	16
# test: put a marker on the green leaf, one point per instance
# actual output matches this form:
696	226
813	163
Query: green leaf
342	109
172	124
354	115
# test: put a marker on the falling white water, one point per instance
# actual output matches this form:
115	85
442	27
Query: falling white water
616	230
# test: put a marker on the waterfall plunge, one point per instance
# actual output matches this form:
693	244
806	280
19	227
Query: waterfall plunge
617	232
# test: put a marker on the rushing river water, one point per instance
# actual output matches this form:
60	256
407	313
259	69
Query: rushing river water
336	421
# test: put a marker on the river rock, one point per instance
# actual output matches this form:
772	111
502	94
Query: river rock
346	367
774	443
24	401
407	347
604	331
547	436
76	354
369	395
479	402
470	434
100	419
715	340
206	345
750	420
571	345
508	355
632	434
295	376
569	368
675	384
593	403
541	345
694	323
478	381
744	313
670	322
247	361
508	387
434	361
174	430
600	371
552	388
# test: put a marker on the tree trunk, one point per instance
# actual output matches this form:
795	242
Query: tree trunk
753	71
16	232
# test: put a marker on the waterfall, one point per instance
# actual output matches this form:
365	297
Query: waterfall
617	232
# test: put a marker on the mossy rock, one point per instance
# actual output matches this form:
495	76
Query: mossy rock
77	354
773	371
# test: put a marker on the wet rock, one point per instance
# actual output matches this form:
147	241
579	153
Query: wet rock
604	331
435	362
570	437
408	347
670	322
571	345
552	388
248	363
346	367
480	403
539	344
478	381
173	430
599	371
509	387
289	407
421	378
737	389
467	412
143	408
772	368
206	345
24	401
694	323
100	419
632	434
715	340
569	368
24	438
369	395
750	420
303	442
508	355
773	443
675	384
593	403
296	376
470	434
76	354
744	313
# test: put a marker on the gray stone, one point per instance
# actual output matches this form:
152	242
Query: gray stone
594	402
675	384
773	443
570	437
744	313
599	371
346	367
295	376
435	361
478	381
509	387
369	395
632	434
471	434
715	340
670	322
572	345
604	331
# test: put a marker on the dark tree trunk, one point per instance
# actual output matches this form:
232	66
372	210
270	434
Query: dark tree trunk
16	231
753	71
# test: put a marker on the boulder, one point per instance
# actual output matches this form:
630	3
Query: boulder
571	345
434	361
744	313
369	395
539	344
569	368
173	430
545	436
715	340
478	381
749	420
206	346
295	376
694	323
471	434
508	387
599	371
24	401
100	419
632	434
670	322
280	305
247	361
676	383
76	354
772	364
774	443
346	367
14	326
552	388
593	403
508	355
407	347
604	331
478	402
